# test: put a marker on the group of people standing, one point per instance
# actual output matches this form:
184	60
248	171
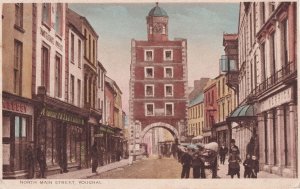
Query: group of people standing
191	158
30	161
251	163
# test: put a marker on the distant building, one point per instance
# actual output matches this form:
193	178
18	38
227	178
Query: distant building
196	116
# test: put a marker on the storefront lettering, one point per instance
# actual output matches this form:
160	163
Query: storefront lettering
276	100
62	116
58	45
47	36
14	106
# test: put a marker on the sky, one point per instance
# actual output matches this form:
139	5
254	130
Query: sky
202	24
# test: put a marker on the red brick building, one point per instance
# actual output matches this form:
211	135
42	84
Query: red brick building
210	109
158	82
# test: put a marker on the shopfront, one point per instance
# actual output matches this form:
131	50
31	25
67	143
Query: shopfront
222	133
17	134
62	132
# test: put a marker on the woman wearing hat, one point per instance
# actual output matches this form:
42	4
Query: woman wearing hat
234	163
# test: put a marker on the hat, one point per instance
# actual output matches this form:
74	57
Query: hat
232	141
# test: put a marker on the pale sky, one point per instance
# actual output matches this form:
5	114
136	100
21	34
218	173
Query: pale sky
202	24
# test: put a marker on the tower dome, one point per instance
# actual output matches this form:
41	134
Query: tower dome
157	12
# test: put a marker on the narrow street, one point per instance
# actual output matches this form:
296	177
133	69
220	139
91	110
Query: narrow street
165	168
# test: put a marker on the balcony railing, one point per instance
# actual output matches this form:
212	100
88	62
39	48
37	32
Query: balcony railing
284	74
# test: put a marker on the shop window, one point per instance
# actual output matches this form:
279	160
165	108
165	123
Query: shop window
46	15
149	90
168	55
149	56
168	72
168	90
149	72
169	109
19	15
149	109
18	56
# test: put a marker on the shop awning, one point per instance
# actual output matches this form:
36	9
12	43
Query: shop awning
241	113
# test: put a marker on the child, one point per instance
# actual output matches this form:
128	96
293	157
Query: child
234	164
247	165
254	167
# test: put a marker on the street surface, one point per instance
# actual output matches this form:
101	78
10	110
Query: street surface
165	168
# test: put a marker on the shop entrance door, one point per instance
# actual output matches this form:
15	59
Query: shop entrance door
61	144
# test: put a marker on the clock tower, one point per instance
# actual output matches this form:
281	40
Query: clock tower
157	24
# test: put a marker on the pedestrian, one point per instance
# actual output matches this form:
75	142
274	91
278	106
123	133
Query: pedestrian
234	163
233	146
247	164
174	149
196	164
250	147
94	155
222	152
41	159
254	167
186	160
29	157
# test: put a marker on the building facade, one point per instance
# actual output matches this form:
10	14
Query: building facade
158	69
267	85
196	116
17	104
210	111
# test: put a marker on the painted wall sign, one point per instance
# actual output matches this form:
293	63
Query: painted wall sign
47	36
62	116
276	100
14	106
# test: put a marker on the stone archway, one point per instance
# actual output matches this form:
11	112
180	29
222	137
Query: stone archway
167	126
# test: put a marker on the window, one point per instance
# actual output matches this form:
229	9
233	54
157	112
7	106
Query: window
272	7
58	76
223	86
250	35
149	72
85	41
72	89
46	17
164	29
79	53
284	43
72	47
90	47
58	18
149	109
149	90
94	49
102	80
262	13
149	55
99	77
78	92
168	55
45	68
168	90
18	67
19	15
272	54
169	109
263	64
168	72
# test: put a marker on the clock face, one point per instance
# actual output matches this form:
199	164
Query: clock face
157	28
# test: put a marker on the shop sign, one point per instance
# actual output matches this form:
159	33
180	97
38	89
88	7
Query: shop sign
47	36
277	100
14	106
62	116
